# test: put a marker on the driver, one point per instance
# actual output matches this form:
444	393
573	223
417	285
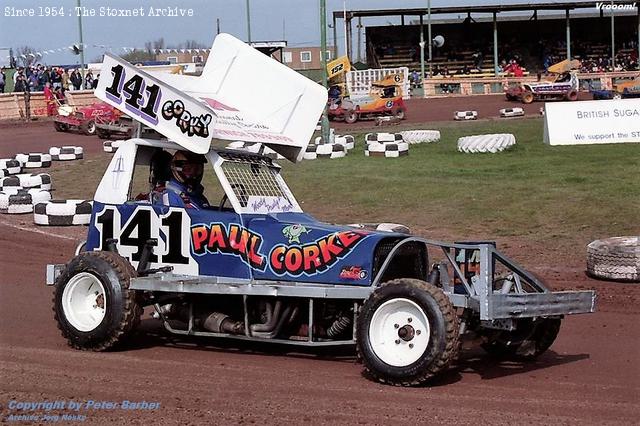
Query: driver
184	188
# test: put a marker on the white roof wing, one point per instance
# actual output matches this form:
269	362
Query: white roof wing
250	97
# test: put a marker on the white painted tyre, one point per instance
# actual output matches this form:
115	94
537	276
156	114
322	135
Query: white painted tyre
62	213
486	143
511	112
10	166
387	150
465	115
66	153
420	136
34	160
29	180
347	141
616	259
107	146
331	151
22	201
84	302
383	137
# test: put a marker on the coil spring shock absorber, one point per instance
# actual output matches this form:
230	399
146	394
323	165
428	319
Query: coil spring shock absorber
339	326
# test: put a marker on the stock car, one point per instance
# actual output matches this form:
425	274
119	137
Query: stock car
384	99
254	266
84	118
564	86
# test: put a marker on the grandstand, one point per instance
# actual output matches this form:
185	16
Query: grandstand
535	35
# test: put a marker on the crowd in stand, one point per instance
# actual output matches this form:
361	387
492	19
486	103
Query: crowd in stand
35	79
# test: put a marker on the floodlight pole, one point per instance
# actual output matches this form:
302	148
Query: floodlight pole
429	38
613	38
79	13
323	65
422	76
248	22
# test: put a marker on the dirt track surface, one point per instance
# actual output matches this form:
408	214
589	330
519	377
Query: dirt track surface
589	376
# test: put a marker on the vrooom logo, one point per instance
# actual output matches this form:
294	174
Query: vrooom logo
237	240
313	257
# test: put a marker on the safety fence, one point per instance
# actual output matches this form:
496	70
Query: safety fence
18	105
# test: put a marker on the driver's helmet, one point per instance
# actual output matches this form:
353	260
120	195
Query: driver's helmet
187	167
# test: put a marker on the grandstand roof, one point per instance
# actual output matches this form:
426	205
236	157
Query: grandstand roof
497	8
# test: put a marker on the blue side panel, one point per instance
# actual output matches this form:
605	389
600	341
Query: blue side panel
283	247
299	248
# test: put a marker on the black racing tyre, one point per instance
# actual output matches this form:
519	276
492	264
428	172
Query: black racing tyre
530	339
527	97
88	128
102	134
93	305
399	114
572	95
351	117
60	127
407	332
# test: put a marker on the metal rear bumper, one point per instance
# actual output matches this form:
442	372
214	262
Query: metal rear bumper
541	304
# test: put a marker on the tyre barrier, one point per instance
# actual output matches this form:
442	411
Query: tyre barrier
347	141
383	137
615	259
62	213
383	227
465	115
66	153
542	111
107	146
511	112
387	150
28	180
34	160
325	151
9	166
420	136
22	201
486	143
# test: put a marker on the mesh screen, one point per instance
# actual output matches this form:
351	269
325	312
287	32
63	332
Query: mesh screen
251	179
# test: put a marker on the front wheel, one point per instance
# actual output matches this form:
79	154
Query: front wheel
407	332
88	128
527	97
60	127
572	95
399	114
93	305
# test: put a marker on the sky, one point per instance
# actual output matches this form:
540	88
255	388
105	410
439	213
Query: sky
297	20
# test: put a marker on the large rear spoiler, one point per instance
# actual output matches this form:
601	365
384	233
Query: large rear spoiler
242	94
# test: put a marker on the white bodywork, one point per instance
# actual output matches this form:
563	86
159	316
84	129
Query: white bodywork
250	96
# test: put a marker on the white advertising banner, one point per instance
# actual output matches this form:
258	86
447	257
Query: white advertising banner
592	122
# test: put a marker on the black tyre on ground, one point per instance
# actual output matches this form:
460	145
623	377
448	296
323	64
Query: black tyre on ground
407	332
103	134
88	128
572	95
350	117
530	339
60	127
93	305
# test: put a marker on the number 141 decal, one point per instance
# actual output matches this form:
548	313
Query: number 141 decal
134	91
173	245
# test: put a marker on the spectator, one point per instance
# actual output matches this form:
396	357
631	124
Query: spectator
88	81
21	84
65	81
76	79
2	80
50	99
95	82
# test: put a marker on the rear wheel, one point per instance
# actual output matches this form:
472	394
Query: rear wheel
572	95
60	127
617	95
407	332
399	114
530	339
527	97
350	117
93	305
102	134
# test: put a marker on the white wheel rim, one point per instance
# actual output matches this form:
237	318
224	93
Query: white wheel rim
399	332
84	301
